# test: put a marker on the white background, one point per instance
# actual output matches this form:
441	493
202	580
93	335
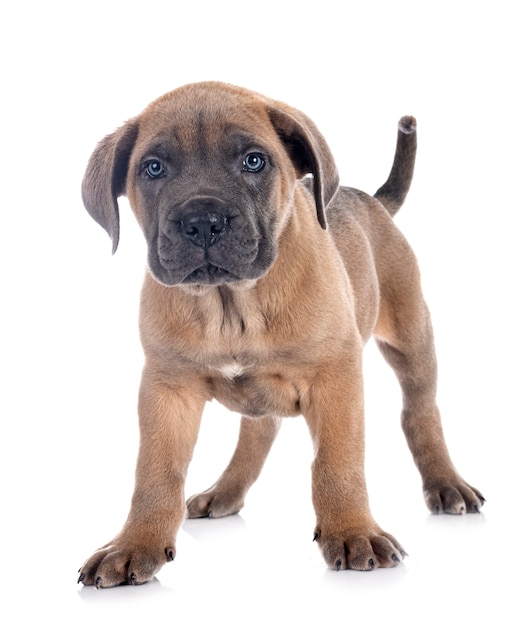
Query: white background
72	72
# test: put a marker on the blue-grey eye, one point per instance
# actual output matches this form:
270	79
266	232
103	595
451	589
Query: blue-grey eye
253	162
154	169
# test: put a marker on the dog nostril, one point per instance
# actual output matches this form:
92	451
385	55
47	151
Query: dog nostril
217	230
191	231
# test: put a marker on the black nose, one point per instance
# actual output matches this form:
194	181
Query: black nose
204	230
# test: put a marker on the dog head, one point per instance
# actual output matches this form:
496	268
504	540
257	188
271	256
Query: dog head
210	171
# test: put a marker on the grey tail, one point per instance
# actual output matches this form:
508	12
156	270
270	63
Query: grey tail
393	192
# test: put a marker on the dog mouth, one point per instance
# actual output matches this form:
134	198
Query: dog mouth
210	274
206	275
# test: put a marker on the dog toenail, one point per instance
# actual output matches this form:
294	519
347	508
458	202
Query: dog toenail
338	565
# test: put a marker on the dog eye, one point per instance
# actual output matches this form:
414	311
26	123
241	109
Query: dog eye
154	169
253	162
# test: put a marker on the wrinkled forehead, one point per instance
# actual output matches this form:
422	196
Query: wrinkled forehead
206	116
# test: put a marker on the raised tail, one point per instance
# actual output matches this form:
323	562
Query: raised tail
393	192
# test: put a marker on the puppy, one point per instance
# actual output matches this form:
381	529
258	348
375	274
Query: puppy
265	279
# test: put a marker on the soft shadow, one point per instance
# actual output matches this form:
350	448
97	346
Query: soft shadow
125	593
469	520
212	529
380	578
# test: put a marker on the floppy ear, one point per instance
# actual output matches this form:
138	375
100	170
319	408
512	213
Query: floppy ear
105	178
309	152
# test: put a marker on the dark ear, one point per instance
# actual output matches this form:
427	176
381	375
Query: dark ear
105	178
309	152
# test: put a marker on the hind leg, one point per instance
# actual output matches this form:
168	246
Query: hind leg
227	495
405	337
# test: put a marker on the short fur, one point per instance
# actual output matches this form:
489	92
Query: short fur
263	287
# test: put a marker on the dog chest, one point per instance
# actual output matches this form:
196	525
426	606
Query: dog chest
254	393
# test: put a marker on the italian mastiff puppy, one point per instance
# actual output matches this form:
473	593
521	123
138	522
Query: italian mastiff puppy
265	279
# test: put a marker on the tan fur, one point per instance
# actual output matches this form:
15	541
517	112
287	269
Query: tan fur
281	340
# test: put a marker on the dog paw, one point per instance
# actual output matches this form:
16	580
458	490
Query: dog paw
214	502
120	564
452	496
359	550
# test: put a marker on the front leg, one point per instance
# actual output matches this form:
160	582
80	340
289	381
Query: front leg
169	418
347	534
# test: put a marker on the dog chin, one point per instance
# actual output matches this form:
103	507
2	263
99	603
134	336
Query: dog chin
202	278
210	274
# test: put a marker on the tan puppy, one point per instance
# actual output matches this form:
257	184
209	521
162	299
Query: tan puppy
262	289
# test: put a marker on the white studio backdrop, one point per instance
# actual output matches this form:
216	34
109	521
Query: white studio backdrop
73	72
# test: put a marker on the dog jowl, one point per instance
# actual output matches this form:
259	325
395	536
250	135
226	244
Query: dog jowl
265	279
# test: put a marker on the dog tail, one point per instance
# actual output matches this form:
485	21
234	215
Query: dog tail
393	192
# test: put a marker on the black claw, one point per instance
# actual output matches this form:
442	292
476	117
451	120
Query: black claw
316	536
371	563
81	578
338	565
98	582
133	579
170	554
395	558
